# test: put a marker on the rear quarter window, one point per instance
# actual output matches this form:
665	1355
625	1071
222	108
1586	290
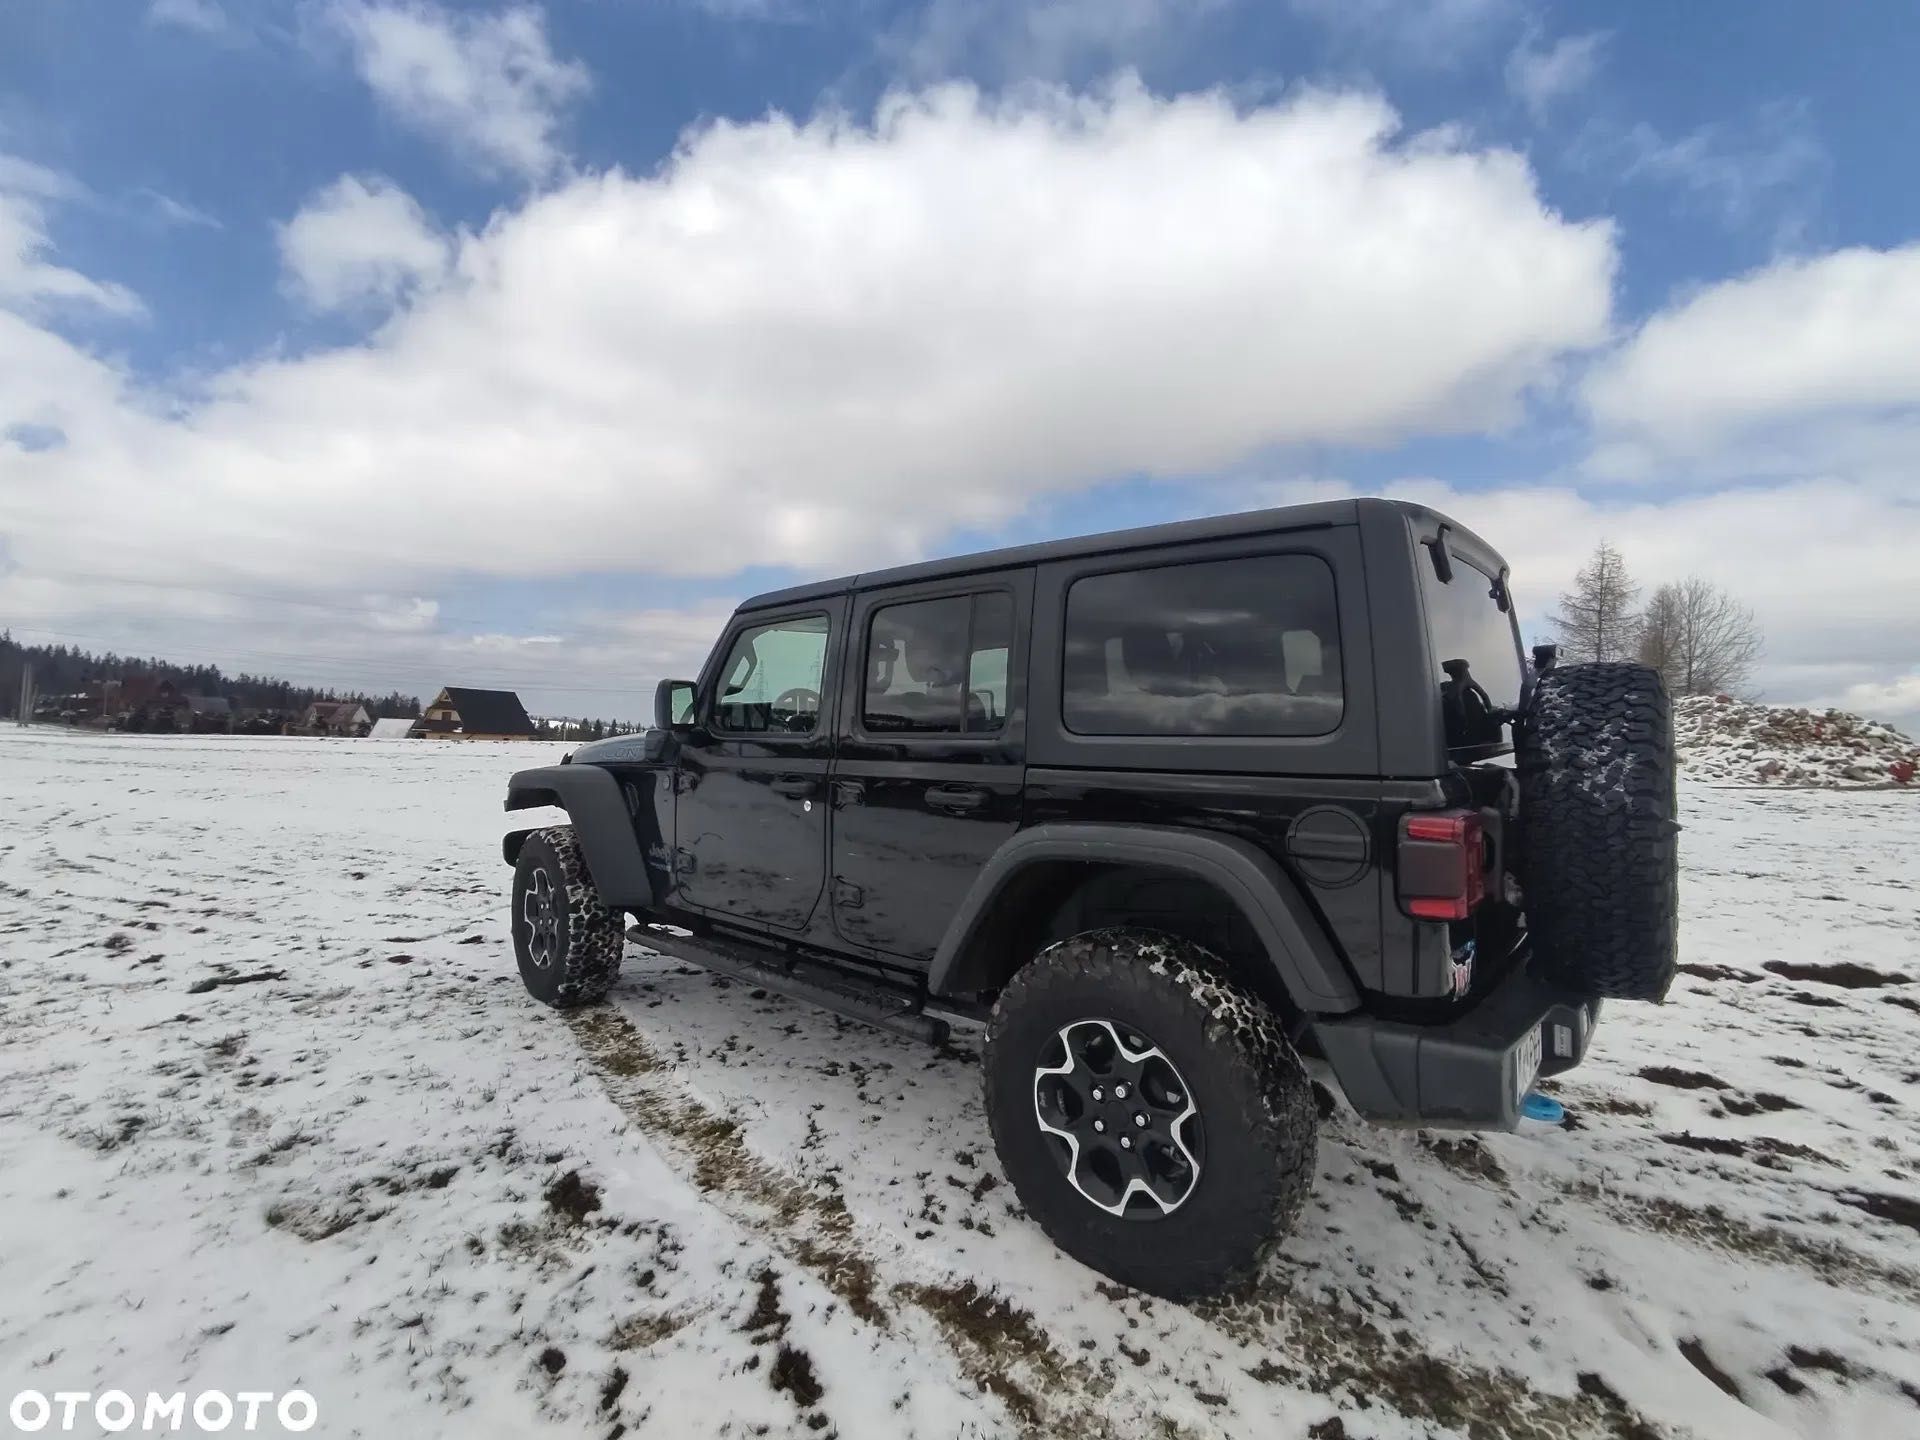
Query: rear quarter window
1240	647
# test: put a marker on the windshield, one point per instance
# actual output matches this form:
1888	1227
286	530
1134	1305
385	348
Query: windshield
1470	620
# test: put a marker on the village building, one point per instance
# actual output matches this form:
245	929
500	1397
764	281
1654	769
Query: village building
460	714
210	714
336	717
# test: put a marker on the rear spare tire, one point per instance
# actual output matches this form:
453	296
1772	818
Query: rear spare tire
1600	865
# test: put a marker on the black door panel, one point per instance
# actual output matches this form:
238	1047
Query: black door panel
911	861
750	818
930	763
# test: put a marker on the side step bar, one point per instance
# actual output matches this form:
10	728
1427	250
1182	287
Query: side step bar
873	1002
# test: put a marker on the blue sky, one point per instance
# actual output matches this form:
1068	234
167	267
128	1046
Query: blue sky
393	343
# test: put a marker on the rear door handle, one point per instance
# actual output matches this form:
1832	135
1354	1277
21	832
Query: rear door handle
955	797
795	787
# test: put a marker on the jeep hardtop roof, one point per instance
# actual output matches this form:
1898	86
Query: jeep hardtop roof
1318	514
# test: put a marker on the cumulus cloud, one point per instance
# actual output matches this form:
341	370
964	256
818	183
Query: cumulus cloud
1896	701
361	240
1825	564
1816	357
1539	75
829	344
486	85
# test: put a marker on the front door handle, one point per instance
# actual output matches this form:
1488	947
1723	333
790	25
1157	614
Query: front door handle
796	787
956	797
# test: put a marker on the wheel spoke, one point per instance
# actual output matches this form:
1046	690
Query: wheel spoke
1126	1125
542	920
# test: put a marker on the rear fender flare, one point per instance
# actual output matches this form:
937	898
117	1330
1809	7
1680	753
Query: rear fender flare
593	801
1302	958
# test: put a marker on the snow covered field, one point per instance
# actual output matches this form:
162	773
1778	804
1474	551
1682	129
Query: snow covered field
275	1112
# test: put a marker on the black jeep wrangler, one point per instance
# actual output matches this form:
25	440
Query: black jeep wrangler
1169	811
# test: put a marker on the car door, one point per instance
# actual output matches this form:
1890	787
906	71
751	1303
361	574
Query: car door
750	813
931	759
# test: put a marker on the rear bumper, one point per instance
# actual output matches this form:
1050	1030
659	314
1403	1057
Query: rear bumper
1466	1074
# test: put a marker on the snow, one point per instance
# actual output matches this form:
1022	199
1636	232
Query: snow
391	729
371	1168
1719	738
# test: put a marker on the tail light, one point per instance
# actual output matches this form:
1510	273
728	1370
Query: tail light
1442	864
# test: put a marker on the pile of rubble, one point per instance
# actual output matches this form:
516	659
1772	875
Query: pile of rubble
1728	740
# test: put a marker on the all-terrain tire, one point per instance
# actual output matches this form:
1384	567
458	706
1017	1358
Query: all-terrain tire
579	958
1255	1108
1600	830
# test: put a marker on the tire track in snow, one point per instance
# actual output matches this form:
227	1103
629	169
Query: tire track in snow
1002	1350
993	1345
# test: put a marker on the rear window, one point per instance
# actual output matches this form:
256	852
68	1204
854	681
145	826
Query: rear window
1217	647
1466	621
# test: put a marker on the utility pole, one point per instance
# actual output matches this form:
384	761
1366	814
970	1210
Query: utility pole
26	695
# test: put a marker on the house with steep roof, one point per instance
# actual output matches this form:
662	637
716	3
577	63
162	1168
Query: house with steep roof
336	717
461	714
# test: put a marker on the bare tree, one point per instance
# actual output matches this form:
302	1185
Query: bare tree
1700	639
1595	620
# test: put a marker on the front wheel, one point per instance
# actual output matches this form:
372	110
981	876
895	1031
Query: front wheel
567	942
1149	1111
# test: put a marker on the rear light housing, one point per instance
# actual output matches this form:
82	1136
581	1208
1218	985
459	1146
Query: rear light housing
1442	864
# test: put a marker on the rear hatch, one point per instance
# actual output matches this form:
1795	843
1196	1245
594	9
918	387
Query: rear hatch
1454	866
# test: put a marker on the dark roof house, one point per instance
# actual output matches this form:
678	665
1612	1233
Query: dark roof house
336	717
461	714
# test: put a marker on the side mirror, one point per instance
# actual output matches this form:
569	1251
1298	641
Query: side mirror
672	704
1440	555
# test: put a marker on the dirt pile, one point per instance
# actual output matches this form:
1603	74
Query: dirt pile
1733	741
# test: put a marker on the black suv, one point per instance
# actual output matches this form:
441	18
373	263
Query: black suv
1168	811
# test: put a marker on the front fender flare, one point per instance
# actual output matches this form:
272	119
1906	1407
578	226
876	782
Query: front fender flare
1303	960
592	799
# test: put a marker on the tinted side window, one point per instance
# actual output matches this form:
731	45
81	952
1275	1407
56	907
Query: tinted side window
1218	647
771	678
939	667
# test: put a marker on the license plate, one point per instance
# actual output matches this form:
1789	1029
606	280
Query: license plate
1526	1064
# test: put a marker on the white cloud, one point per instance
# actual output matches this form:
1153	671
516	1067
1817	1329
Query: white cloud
24	177
1896	701
487	85
1044	39
830	344
362	240
28	280
1765	172
204	16
171	211
1538	75
1423	34
1827	565
1816	357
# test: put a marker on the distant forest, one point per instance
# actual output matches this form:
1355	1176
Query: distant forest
63	670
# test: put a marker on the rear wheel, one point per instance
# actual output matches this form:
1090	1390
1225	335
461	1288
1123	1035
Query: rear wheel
1600	830
567	942
1149	1111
